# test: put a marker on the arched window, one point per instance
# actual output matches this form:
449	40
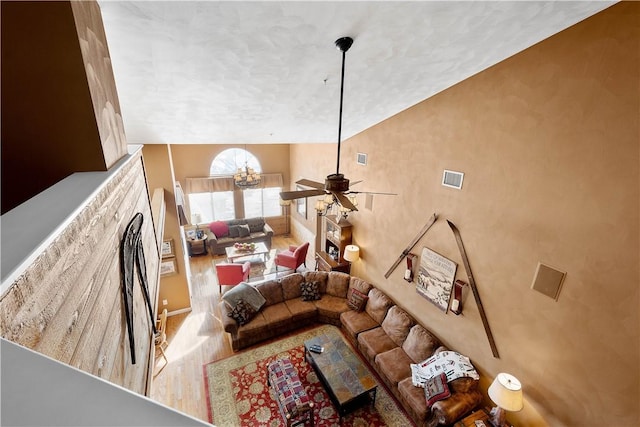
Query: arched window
228	162
221	204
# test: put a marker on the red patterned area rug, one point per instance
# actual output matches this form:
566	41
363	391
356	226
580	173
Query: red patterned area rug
238	394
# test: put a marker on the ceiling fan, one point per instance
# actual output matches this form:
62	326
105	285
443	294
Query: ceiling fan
335	184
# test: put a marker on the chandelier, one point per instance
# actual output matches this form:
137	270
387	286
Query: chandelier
246	177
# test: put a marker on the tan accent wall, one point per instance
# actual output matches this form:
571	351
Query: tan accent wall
193	161
549	144
68	304
314	162
60	110
173	288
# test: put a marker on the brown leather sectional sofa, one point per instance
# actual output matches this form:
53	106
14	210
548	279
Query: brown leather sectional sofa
387	337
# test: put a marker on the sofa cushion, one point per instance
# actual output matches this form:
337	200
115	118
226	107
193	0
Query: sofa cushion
377	305
291	285
330	308
257	327
397	324
463	385
271	290
276	315
436	389
414	399
219	228
374	342
256	225
420	344
356	300
309	291
354	322
301	310
394	364
242	313
359	284
318	276
337	284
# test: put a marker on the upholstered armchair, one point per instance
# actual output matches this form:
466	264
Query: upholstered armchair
292	258
230	274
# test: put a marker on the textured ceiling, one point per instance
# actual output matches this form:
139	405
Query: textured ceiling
268	72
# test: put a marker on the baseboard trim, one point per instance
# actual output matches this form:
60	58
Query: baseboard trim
176	312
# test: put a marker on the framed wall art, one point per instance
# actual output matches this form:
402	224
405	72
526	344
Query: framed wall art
168	267
435	278
301	204
167	248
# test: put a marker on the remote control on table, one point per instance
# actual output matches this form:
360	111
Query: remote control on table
316	348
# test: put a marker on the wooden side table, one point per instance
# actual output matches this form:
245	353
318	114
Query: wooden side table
197	246
325	263
479	415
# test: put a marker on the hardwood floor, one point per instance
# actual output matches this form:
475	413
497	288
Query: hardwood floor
196	338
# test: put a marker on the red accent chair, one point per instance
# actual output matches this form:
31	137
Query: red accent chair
293	258
230	274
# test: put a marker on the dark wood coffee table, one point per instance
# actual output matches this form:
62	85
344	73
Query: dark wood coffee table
345	377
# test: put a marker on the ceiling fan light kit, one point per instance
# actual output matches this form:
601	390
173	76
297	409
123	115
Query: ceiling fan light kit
336	186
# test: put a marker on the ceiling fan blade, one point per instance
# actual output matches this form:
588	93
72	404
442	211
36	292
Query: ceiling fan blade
372	192
344	201
291	195
355	182
312	184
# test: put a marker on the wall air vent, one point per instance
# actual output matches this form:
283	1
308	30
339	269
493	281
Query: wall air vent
452	179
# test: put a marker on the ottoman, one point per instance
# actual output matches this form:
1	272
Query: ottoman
293	402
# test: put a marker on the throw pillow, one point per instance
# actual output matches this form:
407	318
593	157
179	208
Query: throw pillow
242	312
233	231
219	228
309	291
243	230
256	225
356	300
436	388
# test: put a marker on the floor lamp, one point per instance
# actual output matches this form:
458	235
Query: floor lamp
285	205
318	230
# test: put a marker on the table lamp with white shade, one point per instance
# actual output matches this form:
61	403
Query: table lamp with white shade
351	253
506	393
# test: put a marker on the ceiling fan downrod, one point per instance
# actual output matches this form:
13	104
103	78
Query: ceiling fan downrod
343	43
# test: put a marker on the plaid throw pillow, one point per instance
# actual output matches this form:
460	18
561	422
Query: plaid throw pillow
309	291
356	300
242	312
436	388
